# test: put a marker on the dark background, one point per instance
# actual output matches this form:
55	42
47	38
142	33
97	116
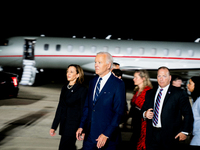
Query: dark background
155	21
126	20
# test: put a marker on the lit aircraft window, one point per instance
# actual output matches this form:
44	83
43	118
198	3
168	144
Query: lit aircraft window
46	47
129	50
166	52
141	51
69	48
58	47
93	49
117	50
105	49
178	52
190	53
153	51
81	48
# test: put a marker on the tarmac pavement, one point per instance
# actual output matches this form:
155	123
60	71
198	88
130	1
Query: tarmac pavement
25	121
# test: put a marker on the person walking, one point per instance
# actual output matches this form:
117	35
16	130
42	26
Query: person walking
143	84
104	108
163	109
70	107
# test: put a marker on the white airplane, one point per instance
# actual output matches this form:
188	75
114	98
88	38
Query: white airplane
32	53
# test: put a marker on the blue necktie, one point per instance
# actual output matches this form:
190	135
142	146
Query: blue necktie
156	108
97	90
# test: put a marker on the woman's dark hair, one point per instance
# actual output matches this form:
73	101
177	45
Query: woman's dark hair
196	93
79	71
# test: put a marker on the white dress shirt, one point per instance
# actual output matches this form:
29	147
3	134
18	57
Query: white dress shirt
102	83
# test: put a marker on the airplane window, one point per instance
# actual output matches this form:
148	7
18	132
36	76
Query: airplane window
117	50
93	49
105	49
178	52
70	47
46	47
58	47
129	50
190	53
81	48
153	51
166	52
141	51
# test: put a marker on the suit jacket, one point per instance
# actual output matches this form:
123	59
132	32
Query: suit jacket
176	104
69	110
104	116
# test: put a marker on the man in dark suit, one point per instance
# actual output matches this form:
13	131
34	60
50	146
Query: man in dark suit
104	107
163	108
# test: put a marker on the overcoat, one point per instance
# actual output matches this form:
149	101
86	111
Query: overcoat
69	110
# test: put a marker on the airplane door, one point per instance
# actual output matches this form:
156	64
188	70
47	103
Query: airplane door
29	70
29	46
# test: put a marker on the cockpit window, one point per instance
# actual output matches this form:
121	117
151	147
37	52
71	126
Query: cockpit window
3	42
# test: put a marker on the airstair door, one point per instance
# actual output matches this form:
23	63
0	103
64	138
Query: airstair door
29	70
29	47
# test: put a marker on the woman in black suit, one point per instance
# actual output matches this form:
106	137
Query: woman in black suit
70	106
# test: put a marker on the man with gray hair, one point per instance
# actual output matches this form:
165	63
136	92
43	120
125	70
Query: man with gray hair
104	107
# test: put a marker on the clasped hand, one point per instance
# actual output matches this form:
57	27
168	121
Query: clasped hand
149	113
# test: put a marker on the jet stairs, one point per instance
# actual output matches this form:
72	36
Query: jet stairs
29	72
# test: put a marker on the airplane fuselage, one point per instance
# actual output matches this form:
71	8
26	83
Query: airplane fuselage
51	52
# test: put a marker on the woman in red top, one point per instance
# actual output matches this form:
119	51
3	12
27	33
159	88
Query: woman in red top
143	84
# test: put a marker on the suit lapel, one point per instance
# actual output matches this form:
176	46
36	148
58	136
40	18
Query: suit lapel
153	96
167	96
94	83
91	89
106	86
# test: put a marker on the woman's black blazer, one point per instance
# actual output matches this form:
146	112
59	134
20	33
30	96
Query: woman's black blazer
69	110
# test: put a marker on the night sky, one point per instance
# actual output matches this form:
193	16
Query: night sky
137	21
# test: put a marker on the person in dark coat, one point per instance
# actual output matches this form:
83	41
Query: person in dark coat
103	109
164	109
70	107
